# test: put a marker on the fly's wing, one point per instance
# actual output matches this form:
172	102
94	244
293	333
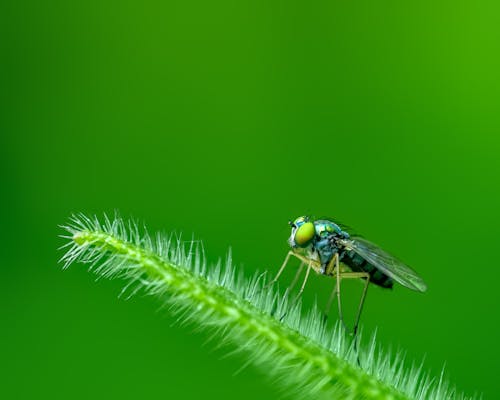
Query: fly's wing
387	263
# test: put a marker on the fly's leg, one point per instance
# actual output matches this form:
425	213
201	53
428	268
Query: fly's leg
356	275
311	263
360	308
362	301
280	271
303	283
278	274
339	301
329	303
309	266
295	279
330	268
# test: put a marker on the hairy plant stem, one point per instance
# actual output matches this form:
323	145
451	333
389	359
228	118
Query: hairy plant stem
244	316
240	311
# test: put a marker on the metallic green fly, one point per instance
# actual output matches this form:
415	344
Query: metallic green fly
323	245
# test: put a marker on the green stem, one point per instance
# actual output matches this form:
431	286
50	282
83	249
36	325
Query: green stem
301	360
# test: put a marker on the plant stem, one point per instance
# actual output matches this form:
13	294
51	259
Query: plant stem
241	311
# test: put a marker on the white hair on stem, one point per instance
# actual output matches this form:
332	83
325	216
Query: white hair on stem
298	351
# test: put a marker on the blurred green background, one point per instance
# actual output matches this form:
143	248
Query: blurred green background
227	119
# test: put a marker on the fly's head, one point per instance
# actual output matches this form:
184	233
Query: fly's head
302	234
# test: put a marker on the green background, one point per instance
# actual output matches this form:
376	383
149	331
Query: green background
227	119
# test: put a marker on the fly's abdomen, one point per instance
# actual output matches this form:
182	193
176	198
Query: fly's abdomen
359	264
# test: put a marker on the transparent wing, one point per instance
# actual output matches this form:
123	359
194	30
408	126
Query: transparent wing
386	263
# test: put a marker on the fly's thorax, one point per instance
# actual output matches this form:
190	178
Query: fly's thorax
325	228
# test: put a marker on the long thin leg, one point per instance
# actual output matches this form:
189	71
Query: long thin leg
300	291
315	265
304	282
275	279
339	302
329	270
280	271
360	308
329	303
361	303
357	275
295	279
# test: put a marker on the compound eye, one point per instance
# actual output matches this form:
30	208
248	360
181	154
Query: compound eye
304	234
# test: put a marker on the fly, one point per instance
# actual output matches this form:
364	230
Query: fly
322	246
